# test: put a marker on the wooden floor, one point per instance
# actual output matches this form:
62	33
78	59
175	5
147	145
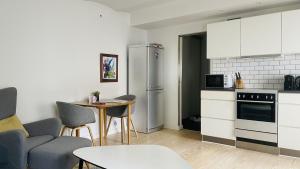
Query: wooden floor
204	155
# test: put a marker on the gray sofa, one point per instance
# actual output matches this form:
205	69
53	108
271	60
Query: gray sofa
43	149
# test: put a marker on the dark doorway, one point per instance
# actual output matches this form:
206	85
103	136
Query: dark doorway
194	66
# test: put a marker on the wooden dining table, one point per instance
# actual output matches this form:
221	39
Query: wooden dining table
102	107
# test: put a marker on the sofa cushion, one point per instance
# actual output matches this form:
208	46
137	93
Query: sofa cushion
8	102
12	123
57	154
33	142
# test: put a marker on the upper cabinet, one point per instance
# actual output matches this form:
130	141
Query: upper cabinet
224	39
261	35
291	32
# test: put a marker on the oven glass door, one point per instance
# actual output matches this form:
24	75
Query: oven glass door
256	111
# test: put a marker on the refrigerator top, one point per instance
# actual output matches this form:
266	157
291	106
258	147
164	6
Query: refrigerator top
155	45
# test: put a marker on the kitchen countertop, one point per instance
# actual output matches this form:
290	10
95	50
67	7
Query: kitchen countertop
289	91
220	89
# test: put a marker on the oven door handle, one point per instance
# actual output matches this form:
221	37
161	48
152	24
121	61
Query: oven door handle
252	101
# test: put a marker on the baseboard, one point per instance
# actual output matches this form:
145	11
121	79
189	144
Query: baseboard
257	147
218	140
289	152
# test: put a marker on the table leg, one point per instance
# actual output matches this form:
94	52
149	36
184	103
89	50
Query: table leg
77	133
80	164
105	123
101	112
128	123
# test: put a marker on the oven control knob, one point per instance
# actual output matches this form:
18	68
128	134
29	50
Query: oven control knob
252	96
257	96
267	97
271	97
244	96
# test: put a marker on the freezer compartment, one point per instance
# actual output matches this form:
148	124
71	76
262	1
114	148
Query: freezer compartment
155	109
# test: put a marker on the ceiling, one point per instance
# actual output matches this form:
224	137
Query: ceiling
158	13
132	5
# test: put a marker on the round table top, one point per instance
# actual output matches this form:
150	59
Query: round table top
132	157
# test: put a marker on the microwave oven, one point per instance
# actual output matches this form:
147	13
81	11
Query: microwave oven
218	81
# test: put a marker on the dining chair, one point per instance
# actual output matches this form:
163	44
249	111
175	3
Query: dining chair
121	112
75	117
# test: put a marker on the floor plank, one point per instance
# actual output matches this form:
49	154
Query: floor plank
205	155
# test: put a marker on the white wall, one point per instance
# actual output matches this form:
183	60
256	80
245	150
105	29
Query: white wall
168	37
49	50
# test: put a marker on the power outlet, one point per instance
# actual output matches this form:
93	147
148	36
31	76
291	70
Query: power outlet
115	123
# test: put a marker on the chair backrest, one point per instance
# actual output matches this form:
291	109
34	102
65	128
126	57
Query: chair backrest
8	102
127	97
73	115
121	110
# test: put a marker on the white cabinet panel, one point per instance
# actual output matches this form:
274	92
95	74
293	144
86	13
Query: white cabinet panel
289	98
217	128
218	109
261	35
289	115
289	138
218	95
291	32
224	39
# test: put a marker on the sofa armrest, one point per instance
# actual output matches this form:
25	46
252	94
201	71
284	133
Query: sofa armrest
50	126
13	153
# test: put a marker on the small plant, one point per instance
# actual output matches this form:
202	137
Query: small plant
96	94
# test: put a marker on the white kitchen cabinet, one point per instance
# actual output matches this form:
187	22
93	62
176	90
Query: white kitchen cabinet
291	32
218	114
224	39
261	35
217	128
219	109
289	121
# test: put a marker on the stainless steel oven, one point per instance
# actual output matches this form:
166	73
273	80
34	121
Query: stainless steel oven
256	116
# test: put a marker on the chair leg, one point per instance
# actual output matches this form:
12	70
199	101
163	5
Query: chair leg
91	134
122	130
136	134
74	131
63	130
108	125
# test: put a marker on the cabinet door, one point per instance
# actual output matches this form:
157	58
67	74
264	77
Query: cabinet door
218	109
224	39
217	128
291	32
261	35
289	137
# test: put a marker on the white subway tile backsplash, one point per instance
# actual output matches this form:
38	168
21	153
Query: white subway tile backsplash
259	72
290	67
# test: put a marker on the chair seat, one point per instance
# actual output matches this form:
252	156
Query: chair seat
57	154
33	142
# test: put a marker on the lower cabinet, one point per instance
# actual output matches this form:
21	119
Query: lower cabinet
289	121
289	138
217	128
218	114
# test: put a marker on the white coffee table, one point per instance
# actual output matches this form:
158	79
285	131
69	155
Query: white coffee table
131	157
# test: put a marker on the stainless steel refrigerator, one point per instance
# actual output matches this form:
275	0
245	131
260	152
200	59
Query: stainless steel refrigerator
145	80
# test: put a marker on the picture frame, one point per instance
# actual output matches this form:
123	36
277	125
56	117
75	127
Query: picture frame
108	67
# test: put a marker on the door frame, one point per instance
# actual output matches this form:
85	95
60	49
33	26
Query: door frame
180	75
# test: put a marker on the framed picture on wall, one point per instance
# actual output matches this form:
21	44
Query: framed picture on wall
108	67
